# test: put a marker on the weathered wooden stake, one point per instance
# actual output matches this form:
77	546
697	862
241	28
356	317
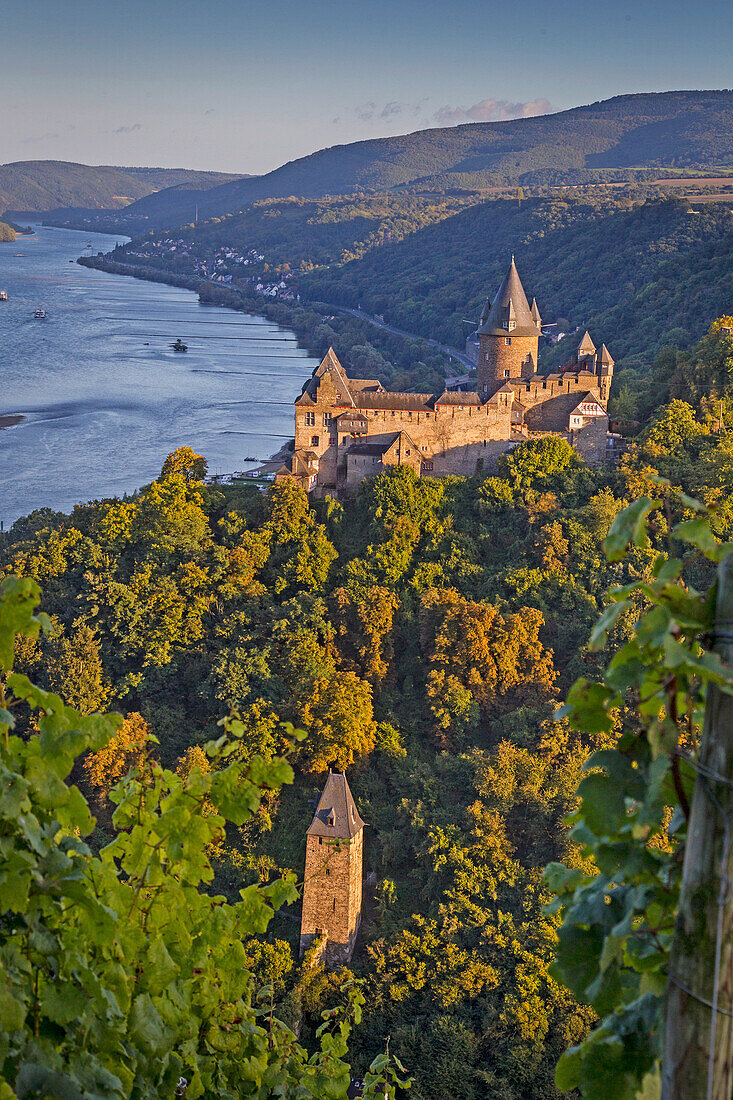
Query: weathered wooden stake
698	1048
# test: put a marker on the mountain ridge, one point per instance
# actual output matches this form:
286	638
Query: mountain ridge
624	134
37	186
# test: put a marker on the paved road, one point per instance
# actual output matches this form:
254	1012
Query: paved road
453	352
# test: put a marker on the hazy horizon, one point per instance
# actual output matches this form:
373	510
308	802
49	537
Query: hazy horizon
243	88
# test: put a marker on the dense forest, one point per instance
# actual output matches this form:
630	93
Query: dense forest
619	138
422	634
640	274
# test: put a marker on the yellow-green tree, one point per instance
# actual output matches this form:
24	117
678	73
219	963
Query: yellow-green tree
339	719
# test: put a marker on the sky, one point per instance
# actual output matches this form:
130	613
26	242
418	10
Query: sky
239	86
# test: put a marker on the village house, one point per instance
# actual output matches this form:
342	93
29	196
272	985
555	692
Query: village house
347	429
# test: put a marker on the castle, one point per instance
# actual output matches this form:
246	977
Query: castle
333	875
347	429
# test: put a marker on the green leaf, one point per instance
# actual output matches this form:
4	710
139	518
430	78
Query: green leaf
698	533
629	526
606	622
146	1026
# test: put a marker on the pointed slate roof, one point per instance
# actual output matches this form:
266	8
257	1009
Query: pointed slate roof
604	357
536	313
336	816
330	364
510	303
586	345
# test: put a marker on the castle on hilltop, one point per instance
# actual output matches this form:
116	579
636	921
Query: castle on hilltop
347	429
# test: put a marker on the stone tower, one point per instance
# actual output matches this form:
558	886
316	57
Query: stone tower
333	874
508	336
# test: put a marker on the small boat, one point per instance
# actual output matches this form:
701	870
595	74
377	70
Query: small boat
40	314
88	244
3	295
179	345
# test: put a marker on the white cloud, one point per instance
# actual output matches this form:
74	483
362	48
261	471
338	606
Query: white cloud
491	110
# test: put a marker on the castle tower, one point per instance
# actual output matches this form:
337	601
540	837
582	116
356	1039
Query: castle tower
508	336
604	370
333	874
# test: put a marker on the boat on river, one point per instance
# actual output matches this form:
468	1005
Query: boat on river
3	295
40	314
179	345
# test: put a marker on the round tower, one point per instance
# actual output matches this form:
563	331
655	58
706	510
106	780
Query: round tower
509	336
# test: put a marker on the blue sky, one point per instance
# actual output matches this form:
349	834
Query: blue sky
241	86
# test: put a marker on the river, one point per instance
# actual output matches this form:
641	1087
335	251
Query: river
104	398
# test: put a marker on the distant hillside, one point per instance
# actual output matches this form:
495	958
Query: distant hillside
35	186
610	139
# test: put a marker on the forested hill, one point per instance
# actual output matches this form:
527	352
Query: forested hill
40	185
653	130
640	274
423	635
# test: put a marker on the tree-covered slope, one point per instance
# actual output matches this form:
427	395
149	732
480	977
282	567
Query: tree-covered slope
638	273
423	634
39	185
667	129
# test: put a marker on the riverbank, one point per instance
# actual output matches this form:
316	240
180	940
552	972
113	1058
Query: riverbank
103	396
370	350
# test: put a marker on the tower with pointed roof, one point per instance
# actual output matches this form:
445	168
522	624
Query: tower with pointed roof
333	874
509	336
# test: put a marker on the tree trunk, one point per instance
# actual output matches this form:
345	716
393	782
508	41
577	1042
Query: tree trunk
698	1048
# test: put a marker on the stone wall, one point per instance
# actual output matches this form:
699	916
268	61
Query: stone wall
496	357
538	390
591	441
332	895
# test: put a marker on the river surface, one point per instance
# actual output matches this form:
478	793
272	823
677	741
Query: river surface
103	396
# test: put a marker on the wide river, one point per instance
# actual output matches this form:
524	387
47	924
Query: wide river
103	396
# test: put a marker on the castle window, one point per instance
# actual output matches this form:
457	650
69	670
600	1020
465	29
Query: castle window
315	440
334	905
327	418
506	373
310	420
507	339
331	819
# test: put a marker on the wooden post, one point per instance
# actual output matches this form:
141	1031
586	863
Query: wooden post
698	1043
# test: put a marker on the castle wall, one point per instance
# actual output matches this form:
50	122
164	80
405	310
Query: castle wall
591	441
332	895
464	460
361	466
538	390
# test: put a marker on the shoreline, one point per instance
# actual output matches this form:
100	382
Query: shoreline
10	420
